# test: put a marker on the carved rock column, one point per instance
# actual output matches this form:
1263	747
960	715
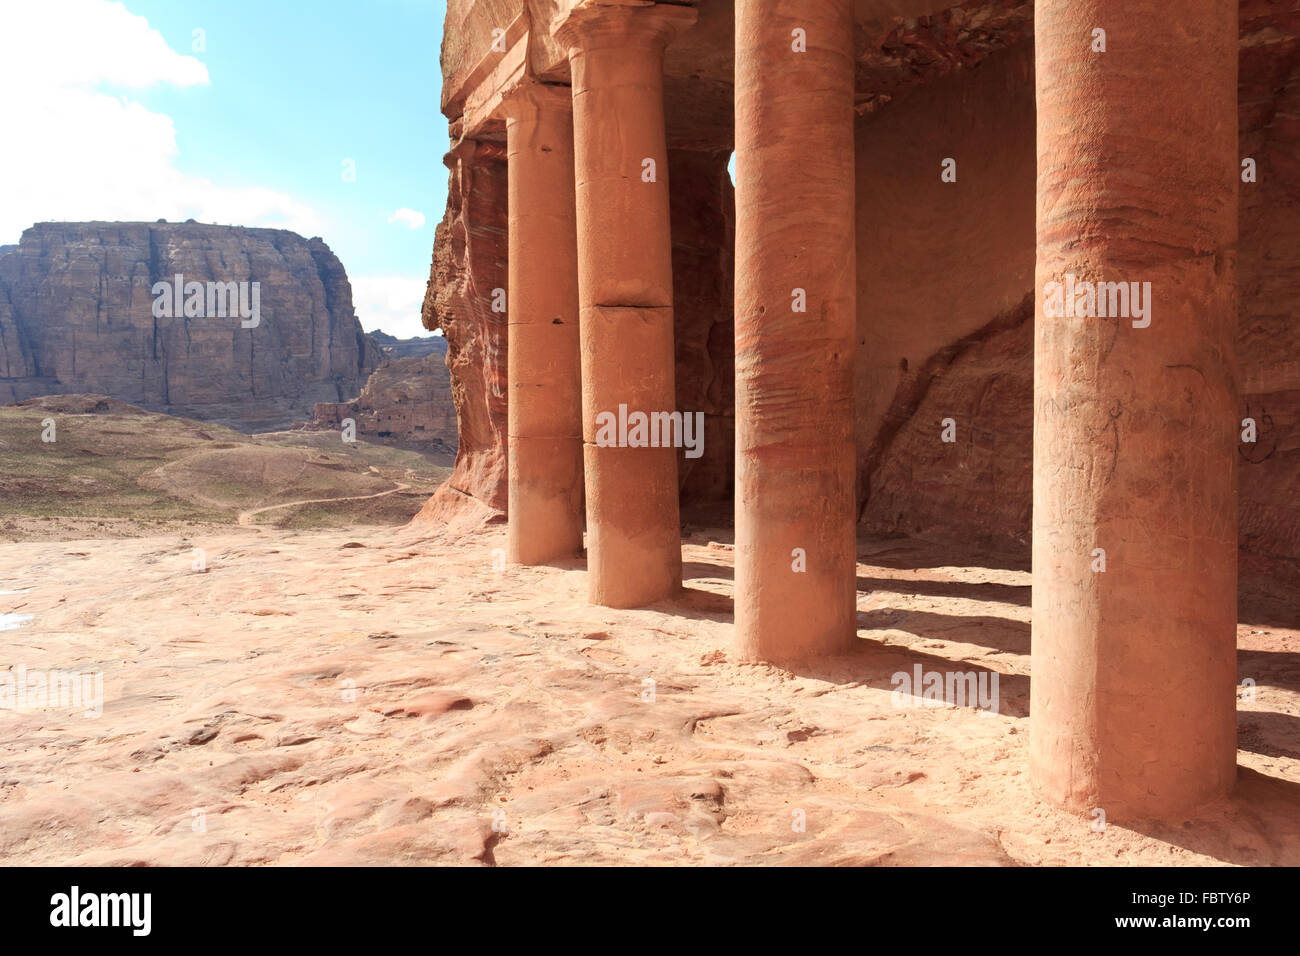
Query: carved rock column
1135	510
545	396
625	291
796	546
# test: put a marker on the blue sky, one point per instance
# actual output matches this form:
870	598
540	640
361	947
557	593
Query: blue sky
265	105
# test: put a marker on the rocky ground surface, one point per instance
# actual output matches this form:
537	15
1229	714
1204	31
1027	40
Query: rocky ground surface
403	697
89	466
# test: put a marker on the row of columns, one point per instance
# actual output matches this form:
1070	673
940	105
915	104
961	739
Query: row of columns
591	306
1134	668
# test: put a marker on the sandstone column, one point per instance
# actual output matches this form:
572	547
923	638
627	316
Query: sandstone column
625	290
1135	513
545	404
796	549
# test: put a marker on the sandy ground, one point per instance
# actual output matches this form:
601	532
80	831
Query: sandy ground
402	697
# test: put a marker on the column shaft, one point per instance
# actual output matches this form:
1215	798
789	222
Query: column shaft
1135	510
796	319
625	290
545	399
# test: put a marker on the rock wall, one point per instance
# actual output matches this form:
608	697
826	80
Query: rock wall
955	280
1268	276
703	227
391	347
76	315
406	401
469	262
945	271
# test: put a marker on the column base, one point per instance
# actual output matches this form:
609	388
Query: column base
634	545
545	514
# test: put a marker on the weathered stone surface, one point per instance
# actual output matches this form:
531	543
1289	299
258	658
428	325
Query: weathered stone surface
625	291
917	50
944	269
15	362
275	703
415	347
1268	278
469	262
703	226
975	492
1135	438
941	266
406	401
545	379
76	315
944	333
796	316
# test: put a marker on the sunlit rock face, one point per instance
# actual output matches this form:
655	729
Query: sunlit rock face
406	401
93	307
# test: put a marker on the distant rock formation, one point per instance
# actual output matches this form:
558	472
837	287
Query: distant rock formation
406	402
77	314
415	347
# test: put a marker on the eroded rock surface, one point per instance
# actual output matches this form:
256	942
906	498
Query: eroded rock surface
328	698
469	263
415	347
76	315
405	400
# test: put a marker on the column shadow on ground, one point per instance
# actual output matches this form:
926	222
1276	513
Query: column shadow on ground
914	554
699	603
1268	733
999	633
872	664
1017	594
1269	668
1258	825
692	570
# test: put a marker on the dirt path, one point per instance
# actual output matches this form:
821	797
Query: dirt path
246	517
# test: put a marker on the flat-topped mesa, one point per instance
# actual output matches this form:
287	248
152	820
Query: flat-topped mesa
248	327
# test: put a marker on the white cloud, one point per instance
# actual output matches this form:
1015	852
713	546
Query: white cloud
408	217
77	153
389	303
83	42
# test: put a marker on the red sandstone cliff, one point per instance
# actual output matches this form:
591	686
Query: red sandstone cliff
469	262
947	321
